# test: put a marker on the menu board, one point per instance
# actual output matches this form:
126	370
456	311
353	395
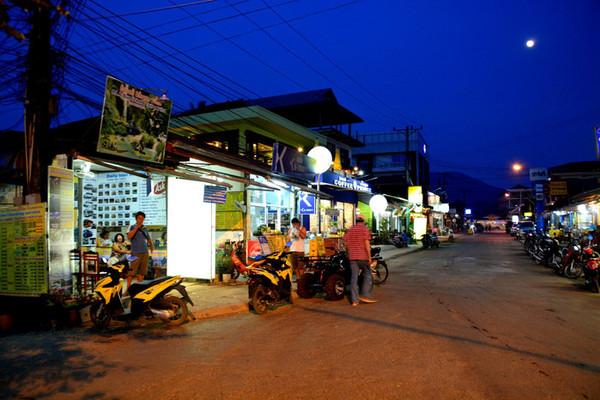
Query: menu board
61	235
23	262
88	208
121	195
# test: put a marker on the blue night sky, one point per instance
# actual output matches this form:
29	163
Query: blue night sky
459	68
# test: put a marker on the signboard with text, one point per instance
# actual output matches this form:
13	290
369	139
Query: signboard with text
538	174
306	203
290	162
134	123
558	188
344	182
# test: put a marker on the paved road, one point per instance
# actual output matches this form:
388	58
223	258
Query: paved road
475	320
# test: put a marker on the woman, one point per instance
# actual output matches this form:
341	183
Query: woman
119	248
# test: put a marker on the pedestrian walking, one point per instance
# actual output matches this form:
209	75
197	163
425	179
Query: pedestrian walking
358	247
297	234
140	244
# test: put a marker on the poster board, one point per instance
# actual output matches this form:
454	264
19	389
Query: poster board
61	233
229	214
134	123
23	253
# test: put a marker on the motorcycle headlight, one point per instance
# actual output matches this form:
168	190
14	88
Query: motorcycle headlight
575	248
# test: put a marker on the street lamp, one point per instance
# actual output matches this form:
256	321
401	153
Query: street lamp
323	159
378	204
530	43
517	167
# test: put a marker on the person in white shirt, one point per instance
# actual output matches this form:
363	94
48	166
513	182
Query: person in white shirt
297	234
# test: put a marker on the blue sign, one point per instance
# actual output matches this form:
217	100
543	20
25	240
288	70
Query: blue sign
344	182
306	203
290	162
215	194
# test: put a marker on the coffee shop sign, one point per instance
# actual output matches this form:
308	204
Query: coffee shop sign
346	183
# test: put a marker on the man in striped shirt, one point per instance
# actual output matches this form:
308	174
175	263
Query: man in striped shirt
358	247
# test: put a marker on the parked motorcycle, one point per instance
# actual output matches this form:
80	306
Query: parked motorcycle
270	282
571	263
430	240
400	240
147	298
591	269
330	275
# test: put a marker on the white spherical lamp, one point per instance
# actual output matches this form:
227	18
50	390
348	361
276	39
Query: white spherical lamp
322	157
378	204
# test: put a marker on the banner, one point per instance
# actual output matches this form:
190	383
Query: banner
61	235
134	123
23	256
290	162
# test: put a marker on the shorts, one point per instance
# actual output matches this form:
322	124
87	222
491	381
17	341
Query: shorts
140	265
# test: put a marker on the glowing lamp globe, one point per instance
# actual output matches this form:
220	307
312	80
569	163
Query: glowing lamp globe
378	204
530	43
322	157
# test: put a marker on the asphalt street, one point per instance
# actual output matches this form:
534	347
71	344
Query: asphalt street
473	320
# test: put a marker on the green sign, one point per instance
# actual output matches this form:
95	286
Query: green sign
23	256
134	123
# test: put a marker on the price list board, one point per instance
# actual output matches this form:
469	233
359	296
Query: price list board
23	255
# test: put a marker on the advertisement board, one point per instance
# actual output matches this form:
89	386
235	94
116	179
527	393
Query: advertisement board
415	194
290	162
23	253
134	123
538	174
61	234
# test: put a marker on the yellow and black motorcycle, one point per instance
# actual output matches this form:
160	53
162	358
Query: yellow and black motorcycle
150	298
270	281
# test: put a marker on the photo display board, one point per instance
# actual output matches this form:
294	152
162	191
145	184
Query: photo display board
121	195
23	255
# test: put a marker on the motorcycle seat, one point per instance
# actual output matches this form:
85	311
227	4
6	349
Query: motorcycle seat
137	287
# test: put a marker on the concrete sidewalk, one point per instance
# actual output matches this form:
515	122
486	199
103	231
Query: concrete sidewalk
215	300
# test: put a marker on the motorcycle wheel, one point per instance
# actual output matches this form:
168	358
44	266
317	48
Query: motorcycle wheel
381	273
100	315
335	287
573	270
260	302
179	306
306	286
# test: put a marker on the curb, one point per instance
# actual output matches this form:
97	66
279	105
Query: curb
220	311
410	251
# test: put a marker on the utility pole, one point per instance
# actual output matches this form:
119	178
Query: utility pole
38	102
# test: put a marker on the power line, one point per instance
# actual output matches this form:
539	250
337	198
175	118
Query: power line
332	62
151	10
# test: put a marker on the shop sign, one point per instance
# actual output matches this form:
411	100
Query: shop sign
415	194
528	214
215	194
134	123
345	182
306	203
468	211
442	208
558	188
538	174
290	162
433	199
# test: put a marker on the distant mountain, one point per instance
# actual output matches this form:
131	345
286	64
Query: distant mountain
464	191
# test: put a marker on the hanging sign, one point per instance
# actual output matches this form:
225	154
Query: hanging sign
290	162
215	194
306	203
134	123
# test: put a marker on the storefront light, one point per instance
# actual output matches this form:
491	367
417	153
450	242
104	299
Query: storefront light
582	208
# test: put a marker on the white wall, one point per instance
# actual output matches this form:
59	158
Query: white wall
191	233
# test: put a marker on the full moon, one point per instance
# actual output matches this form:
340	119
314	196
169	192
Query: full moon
530	43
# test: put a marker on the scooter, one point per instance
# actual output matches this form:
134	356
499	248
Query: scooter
379	268
270	281
147	298
430	240
591	269
400	240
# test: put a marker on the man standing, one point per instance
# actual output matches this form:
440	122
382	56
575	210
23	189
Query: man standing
140	242
358	246
297	234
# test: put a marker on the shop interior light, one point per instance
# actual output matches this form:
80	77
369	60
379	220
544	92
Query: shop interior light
301	149
322	157
582	208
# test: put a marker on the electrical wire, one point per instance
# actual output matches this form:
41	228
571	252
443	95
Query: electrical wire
152	10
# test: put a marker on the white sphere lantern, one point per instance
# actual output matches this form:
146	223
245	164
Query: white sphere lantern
530	43
322	157
378	204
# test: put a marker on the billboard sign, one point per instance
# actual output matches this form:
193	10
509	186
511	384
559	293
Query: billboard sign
415	194
558	188
134	123
538	174
290	162
345	182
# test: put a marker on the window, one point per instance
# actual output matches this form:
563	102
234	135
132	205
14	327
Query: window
271	208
